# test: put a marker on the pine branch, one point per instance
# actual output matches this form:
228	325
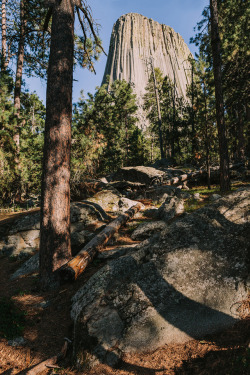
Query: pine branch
85	38
90	23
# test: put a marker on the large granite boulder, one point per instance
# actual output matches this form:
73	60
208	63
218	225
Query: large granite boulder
172	207
183	283
140	174
20	237
112	200
146	230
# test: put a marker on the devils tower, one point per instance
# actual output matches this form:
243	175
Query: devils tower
134	40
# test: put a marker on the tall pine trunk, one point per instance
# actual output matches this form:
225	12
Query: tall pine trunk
17	99
55	245
216	53
4	42
241	138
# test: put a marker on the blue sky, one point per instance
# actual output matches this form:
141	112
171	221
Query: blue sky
181	15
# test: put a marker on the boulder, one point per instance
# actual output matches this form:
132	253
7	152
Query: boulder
29	267
125	204
20	238
143	175
146	230
112	201
214	197
196	196
108	199
181	284
159	194
172	207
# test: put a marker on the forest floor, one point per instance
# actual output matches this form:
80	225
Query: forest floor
45	321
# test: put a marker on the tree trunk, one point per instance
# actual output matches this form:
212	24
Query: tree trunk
79	263
55	245
17	99
216	53
207	139
4	43
19	72
241	139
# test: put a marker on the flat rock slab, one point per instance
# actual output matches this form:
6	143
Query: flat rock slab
183	283
146	230
140	174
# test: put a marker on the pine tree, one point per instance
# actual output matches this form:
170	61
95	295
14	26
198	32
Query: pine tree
216	53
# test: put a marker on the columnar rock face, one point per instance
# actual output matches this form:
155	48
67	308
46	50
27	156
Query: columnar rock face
134	40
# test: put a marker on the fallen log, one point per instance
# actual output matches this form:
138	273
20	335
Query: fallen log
72	269
184	177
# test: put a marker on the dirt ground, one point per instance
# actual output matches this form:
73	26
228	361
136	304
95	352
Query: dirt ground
47	323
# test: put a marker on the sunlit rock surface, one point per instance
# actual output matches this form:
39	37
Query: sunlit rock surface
134	40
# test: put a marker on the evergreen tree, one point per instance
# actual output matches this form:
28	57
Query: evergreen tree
55	246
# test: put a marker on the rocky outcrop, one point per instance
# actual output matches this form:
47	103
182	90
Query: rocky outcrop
139	174
183	283
134	40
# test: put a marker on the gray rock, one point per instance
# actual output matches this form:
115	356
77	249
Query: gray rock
160	193
88	211
31	237
18	341
103	180
79	239
108	199
141	174
172	207
182	194
14	245
214	197
26	223
125	204
146	230
183	284
151	212
30	266
22	236
115	253
196	196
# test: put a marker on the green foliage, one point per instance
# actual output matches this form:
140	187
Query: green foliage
32	117
105	135
206	141
31	145
174	119
233	26
7	145
12	319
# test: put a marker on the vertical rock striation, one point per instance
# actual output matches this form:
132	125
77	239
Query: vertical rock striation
134	40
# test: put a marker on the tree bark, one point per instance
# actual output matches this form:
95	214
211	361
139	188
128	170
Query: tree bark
19	73
79	263
17	99
4	42
55	245
241	139
207	139
216	53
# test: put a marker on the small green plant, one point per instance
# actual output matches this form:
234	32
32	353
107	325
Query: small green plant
20	293
12	319
192	205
